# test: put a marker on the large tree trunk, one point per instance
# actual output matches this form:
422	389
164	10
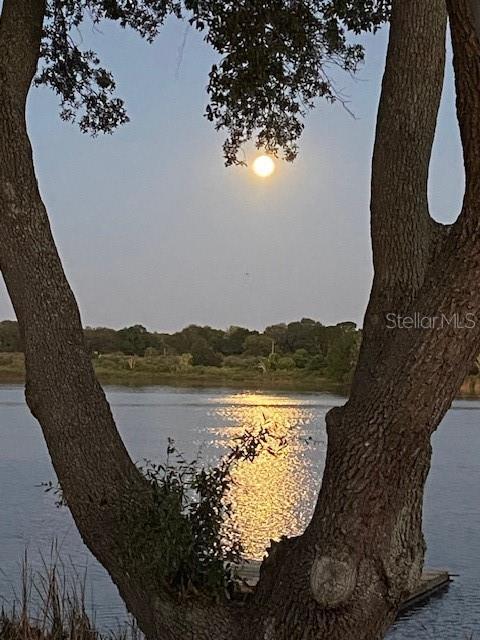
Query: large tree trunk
363	550
99	480
90	460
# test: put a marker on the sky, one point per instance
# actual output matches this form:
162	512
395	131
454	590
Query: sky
153	229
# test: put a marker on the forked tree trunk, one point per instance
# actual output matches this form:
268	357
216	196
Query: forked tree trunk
363	550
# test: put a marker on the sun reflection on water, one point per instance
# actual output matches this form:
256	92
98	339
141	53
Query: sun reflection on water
273	495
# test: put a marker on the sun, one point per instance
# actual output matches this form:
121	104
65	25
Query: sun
264	166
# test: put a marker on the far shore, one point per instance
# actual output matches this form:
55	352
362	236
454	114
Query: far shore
12	371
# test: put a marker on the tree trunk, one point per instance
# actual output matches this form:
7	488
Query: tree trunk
363	550
99	480
90	460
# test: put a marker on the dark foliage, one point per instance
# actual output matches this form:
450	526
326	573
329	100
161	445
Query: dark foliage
275	58
192	514
86	89
203	354
308	344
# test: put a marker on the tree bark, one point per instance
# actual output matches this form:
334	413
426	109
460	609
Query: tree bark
99	480
363	550
91	462
403	233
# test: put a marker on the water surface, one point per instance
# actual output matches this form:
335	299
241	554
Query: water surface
272	496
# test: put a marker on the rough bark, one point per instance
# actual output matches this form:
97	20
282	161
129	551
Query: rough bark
403	233
92	464
363	550
98	478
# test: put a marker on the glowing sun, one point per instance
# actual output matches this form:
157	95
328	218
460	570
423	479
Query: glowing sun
263	166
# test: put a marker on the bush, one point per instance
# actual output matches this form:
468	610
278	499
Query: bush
203	354
342	357
192	517
151	352
286	363
301	357
6	359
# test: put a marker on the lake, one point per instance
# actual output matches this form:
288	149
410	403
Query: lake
272	496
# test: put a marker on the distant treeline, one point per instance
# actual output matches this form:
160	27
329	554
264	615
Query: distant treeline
306	344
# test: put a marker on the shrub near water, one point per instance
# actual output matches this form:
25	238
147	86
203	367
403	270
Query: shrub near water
192	516
191	512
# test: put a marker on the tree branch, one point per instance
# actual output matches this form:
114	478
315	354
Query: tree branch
403	233
465	28
21	24
406	123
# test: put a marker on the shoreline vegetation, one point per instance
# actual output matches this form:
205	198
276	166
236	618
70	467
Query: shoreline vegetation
52	605
137	371
303	355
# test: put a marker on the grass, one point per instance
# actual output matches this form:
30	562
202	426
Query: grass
12	367
119	369
215	376
52	606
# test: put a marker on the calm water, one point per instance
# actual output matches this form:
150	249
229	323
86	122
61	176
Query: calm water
274	495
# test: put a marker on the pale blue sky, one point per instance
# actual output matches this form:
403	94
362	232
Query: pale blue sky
153	229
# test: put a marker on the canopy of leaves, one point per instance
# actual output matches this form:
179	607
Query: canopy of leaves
275	58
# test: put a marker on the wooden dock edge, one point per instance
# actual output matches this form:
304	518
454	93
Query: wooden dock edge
432	582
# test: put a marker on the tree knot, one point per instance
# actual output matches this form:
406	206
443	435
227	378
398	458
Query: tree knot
333	580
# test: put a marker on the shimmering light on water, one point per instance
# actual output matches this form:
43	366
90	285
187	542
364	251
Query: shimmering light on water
274	493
